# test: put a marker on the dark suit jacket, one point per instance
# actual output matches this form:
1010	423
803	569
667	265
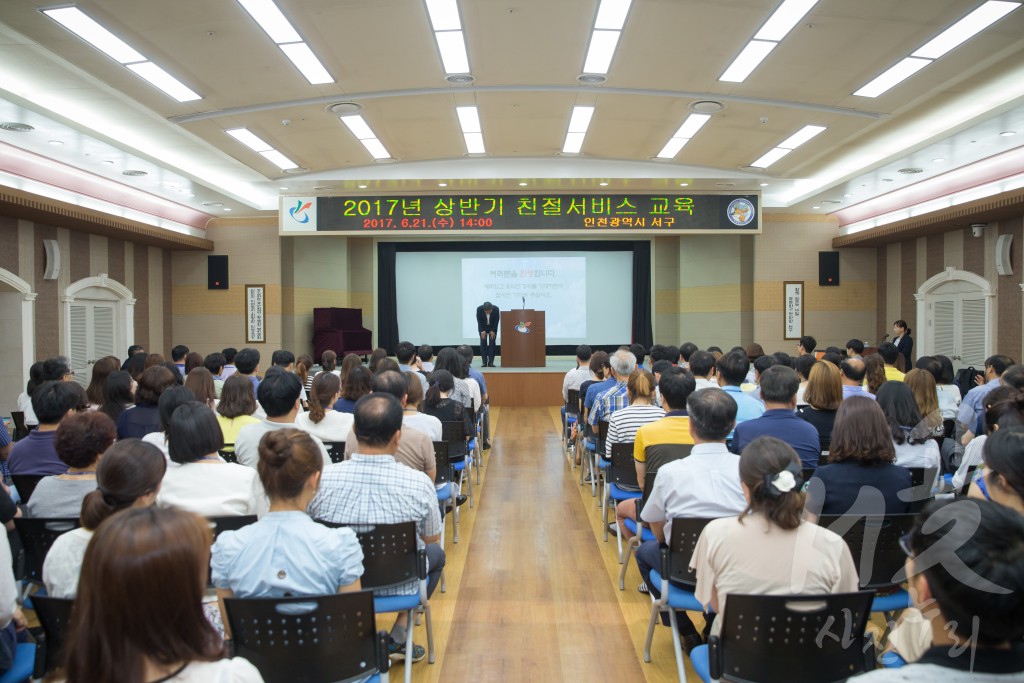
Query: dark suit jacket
481	319
905	346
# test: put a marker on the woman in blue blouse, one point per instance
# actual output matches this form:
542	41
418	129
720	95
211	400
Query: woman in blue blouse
286	553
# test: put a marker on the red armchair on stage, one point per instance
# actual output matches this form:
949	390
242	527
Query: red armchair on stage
340	330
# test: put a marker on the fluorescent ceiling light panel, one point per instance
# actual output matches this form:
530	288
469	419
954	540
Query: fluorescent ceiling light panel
752	55
358	126
691	125
672	147
965	29
573	143
611	14
278	159
375	148
801	136
893	76
271	20
474	143
306	62
76	21
600	52
444	15
580	119
249	139
469	119
784	19
164	81
771	157
452	47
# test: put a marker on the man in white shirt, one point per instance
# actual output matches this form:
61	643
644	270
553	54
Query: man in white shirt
578	375
706	483
702	365
278	393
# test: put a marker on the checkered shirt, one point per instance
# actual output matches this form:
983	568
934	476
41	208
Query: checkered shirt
607	403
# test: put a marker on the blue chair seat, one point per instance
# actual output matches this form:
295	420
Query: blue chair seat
460	465
677	597
472	444
603	464
646	535
591	446
890	603
396	603
701	663
445	492
891	660
615	493
24	663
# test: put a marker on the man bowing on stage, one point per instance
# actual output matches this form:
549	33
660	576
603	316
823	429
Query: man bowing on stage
487	317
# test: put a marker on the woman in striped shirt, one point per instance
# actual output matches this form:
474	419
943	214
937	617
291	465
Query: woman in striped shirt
623	423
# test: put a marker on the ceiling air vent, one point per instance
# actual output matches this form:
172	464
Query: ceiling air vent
15	127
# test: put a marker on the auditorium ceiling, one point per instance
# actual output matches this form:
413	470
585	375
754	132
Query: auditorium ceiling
669	106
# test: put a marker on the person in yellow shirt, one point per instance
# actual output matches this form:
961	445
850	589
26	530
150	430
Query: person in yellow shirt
235	409
889	354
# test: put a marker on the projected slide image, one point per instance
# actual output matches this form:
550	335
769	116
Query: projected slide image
553	284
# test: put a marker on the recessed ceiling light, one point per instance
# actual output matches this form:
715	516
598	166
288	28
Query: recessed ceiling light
886	180
444	15
938	160
362	187
271	20
747	60
601	51
249	139
452	46
134	173
784	19
1008	133
278	159
522	184
227	208
612	14
831	201
307	63
603	184
815	207
83	26
847	195
764	184
56	142
893	76
14	127
771	157
801	136
725	184
213	203
965	29
164	81
283	188
684	184
911	170
442	184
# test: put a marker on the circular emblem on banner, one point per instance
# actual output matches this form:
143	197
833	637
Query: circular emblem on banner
740	212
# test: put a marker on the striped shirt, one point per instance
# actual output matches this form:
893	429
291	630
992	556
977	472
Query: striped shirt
374	489
624	423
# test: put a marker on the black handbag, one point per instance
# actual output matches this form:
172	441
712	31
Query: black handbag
965	379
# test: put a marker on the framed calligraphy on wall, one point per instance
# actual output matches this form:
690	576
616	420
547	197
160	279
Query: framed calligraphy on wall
255	314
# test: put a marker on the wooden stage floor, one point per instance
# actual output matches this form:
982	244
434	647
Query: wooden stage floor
532	589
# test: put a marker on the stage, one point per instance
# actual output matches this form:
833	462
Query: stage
527	386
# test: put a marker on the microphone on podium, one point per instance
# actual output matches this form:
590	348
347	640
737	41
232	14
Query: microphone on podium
524	302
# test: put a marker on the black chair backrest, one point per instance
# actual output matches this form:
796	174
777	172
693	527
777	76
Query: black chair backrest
968	478
310	639
792	638
922	480
874	542
26	484
622	470
21	429
685	532
806	473
390	555
572	403
658	455
228	453
454	432
335	450
37	535
219	525
442	463
602	435
54	616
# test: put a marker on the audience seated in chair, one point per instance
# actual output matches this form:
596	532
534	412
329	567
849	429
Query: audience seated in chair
371	487
822	397
732	370
408	361
705	484
1004	408
768	549
138	615
413	417
439	404
616	397
13	624
235	409
354	385
35	378
971	408
286	553
910	433
852	372
624	423
966	575
861	477
144	416
202	482
80	441
279	394
778	389
322	420
118	394
170	400
35	454
128	475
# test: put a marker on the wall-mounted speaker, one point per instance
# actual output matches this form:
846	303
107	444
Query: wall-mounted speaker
1003	265
828	268
216	272
52	268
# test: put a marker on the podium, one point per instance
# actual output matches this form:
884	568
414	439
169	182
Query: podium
522	338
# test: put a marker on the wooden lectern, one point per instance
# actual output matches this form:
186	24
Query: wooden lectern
522	338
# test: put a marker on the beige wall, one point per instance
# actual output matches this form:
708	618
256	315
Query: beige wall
315	274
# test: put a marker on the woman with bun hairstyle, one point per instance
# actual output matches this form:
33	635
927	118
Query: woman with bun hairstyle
806	559
128	476
322	420
286	552
139	616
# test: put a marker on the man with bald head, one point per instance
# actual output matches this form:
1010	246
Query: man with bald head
851	373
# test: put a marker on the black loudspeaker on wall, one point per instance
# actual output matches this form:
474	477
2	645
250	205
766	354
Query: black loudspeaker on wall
828	268
216	272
